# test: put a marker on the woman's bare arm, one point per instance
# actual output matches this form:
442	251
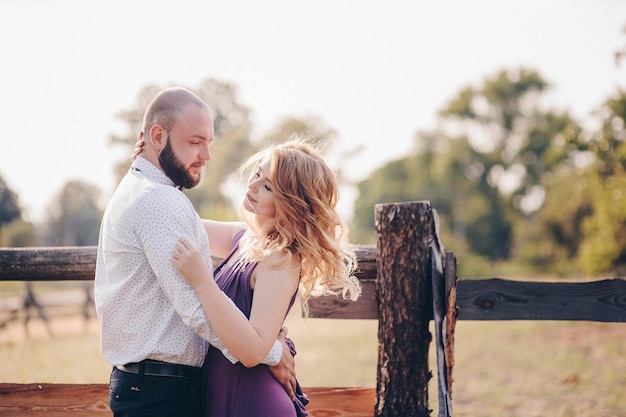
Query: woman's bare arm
248	340
221	236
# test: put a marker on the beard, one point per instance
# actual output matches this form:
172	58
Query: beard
175	169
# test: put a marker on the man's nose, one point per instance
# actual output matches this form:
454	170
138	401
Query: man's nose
205	153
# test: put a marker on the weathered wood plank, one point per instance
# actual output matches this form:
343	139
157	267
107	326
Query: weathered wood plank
491	299
59	263
79	263
91	400
341	402
54	400
76	263
48	263
366	307
499	299
335	307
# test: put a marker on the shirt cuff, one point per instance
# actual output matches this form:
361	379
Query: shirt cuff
272	359
275	354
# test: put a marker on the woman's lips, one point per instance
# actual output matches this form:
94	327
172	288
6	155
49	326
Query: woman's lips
250	199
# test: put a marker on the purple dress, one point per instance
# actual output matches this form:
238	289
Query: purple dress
232	390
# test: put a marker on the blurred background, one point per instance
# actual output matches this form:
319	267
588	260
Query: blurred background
509	117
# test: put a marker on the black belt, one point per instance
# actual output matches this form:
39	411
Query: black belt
156	368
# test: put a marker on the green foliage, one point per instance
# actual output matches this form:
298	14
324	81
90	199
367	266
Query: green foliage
19	233
550	237
74	216
493	148
514	183
580	226
385	185
604	246
9	205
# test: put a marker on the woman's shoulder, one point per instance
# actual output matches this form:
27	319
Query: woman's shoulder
282	260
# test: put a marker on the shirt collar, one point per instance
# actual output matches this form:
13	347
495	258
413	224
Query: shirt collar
150	171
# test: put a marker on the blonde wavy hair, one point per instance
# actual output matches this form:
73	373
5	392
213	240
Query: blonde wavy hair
307	225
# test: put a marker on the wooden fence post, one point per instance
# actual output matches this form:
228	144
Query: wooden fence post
404	238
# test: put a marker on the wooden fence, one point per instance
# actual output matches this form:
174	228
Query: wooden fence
408	279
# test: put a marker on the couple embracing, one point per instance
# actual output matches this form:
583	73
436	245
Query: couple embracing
182	339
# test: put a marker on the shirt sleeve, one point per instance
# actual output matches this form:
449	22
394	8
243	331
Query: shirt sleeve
161	227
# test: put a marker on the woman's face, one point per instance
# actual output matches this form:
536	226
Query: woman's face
260	197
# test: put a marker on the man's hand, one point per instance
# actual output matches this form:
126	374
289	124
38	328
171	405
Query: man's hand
285	371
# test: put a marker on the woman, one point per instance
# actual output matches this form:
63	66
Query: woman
291	237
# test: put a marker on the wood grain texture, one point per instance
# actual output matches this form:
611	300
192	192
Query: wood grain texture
54	400
404	236
91	400
499	299
48	263
489	299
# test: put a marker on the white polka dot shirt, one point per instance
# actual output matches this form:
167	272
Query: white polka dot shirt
146	308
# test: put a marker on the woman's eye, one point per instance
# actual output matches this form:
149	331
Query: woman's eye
267	187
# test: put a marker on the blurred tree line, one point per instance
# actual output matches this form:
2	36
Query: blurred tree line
74	215
518	186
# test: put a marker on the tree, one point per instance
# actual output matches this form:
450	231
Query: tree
518	145
74	216
604	245
484	167
550	238
9	205
19	233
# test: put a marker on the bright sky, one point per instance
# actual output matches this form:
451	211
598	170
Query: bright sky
375	71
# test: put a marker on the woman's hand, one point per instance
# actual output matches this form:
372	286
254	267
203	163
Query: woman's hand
188	261
138	149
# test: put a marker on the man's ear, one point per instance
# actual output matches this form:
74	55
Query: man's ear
158	137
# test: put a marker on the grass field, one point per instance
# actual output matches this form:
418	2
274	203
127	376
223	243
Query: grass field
525	369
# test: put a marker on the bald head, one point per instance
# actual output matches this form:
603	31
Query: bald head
167	106
177	133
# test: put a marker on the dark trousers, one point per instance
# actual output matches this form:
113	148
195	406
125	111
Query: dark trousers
136	395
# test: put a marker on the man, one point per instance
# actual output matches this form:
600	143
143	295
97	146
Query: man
153	329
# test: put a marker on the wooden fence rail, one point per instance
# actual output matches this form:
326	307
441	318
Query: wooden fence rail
477	299
403	277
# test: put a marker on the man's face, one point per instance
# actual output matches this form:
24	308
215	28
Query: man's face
175	169
188	147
